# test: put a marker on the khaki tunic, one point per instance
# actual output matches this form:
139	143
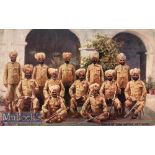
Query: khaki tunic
78	92
40	74
67	74
52	82
95	74
137	91
54	105
122	75
108	90
79	89
12	73
94	105
24	89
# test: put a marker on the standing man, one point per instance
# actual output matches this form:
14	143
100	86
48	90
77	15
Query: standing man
135	93
40	74
122	78
12	76
95	72
67	75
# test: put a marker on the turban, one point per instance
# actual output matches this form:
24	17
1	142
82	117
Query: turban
67	55
109	72
52	71
13	53
28	68
80	71
121	56
94	86
40	55
54	88
135	71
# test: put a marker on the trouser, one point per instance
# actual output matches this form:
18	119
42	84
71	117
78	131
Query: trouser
95	118
11	97
122	99
40	97
140	105
116	103
67	95
57	118
30	105
74	103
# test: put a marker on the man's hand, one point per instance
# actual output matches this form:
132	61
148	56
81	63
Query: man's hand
141	99
106	114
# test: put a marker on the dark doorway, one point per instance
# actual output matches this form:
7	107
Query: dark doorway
53	42
135	51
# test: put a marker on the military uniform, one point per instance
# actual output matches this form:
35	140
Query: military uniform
26	90
122	74
52	82
95	106
78	92
109	90
40	74
122	78
54	109
135	92
95	72
12	76
67	76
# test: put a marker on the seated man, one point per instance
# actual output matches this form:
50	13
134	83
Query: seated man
26	91
78	91
54	109
135	93
95	108
109	91
53	81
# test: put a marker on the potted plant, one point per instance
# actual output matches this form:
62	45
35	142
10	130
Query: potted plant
152	90
150	86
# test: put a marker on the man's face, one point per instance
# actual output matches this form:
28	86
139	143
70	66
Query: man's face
54	76
122	61
110	77
67	60
81	76
13	58
135	77
94	60
95	91
41	60
28	75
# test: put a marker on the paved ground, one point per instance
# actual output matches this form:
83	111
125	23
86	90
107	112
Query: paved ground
147	119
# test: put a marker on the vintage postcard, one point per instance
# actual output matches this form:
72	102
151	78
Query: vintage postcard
77	77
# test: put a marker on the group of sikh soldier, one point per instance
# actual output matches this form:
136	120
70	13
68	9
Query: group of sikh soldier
83	92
